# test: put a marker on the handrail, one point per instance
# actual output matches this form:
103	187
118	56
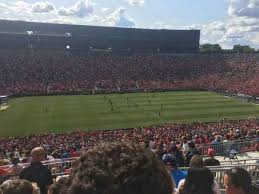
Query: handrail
61	168
223	147
230	142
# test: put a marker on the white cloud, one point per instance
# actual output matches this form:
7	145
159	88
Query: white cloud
80	13
254	37
161	25
104	9
81	9
243	23
15	10
229	32
20	7
43	7
119	18
21	10
228	40
4	9
245	8
253	3
3	6
136	2
242	27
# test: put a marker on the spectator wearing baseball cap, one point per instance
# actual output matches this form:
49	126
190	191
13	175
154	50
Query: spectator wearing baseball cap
211	161
171	164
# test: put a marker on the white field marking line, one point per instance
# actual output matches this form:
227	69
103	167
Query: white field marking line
231	98
3	108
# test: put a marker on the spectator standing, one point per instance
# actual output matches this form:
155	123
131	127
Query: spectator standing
192	151
16	154
36	171
185	147
178	155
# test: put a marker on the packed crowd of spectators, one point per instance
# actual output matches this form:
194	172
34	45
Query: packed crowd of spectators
160	139
126	168
42	72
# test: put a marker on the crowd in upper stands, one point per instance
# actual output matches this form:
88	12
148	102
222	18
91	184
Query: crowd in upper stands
42	72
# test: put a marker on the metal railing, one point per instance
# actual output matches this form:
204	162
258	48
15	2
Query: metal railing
219	172
244	161
59	168
239	146
62	168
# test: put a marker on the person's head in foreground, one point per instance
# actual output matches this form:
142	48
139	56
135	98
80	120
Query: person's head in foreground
19	186
59	187
198	181
238	181
38	154
196	162
119	168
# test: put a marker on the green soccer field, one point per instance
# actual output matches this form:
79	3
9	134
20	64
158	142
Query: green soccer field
63	113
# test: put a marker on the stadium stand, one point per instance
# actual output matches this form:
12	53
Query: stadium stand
40	62
159	138
48	59
51	73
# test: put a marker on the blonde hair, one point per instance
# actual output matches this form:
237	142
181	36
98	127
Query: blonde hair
36	189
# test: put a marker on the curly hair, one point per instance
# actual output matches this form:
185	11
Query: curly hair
17	187
60	186
119	168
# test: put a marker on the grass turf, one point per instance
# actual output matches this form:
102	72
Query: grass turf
62	113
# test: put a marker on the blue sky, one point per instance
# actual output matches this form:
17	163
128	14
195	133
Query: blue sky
226	22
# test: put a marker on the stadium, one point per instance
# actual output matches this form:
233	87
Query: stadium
66	89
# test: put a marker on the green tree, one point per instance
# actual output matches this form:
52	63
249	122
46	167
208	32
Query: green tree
210	48
237	48
243	49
